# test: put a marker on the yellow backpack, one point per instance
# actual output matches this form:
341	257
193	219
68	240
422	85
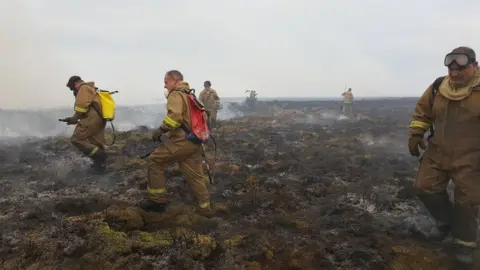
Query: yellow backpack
107	103
108	109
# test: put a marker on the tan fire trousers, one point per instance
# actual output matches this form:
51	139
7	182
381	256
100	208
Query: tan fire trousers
348	109
212	119
189	158
89	135
432	180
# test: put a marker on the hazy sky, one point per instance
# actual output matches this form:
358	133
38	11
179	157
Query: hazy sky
278	47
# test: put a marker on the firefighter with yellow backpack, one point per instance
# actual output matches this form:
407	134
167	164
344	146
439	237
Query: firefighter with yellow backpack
93	108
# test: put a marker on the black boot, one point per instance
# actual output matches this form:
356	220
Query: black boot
99	162
465	232
441	209
439	232
464	257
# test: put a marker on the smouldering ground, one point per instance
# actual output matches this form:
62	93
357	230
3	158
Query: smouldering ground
304	189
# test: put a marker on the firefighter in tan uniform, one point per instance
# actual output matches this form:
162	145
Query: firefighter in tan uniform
348	102
89	133
211	101
453	151
176	149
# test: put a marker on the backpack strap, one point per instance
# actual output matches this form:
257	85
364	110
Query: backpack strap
182	126
190	91
436	85
93	104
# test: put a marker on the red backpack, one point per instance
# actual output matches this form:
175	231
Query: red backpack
198	133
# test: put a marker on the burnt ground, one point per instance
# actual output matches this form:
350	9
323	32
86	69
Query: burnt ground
297	188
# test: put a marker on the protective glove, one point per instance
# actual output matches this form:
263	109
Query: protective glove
157	135
217	104
69	120
415	141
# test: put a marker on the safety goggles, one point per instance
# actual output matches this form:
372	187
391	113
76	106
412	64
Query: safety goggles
461	59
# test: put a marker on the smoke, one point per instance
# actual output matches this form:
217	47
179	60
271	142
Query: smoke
332	115
393	143
28	64
44	123
324	117
228	112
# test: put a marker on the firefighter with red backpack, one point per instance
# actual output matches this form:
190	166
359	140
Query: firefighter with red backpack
186	125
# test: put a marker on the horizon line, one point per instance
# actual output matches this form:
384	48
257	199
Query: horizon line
294	99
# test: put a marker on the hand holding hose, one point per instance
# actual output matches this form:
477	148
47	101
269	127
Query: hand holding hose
69	120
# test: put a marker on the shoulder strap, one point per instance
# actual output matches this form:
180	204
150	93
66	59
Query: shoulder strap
176	90
188	92
436	85
94	105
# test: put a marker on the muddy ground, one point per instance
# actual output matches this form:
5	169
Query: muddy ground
297	187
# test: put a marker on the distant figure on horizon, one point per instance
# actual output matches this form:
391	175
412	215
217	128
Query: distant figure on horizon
211	101
347	102
252	99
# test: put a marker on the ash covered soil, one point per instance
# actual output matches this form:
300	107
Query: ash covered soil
298	187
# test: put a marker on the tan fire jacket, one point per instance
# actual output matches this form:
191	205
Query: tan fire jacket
456	123
347	97
178	114
86	98
210	99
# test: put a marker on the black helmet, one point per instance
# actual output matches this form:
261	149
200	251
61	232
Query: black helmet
71	82
207	84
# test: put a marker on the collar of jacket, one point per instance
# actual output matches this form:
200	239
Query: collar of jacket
447	90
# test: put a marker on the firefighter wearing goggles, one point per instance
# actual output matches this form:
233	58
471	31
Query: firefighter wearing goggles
452	107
